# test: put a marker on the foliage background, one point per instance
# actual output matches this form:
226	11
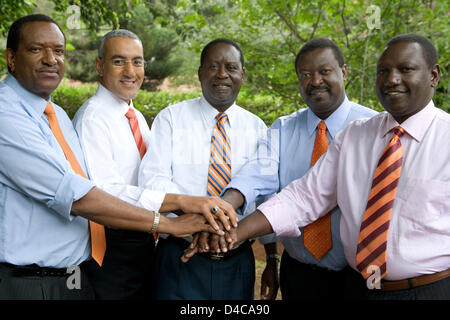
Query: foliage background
270	33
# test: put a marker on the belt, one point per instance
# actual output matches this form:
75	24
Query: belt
34	270
220	256
414	282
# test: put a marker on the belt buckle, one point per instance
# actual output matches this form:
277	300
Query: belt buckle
216	256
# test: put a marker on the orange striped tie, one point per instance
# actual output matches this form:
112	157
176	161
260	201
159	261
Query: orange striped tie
134	124
140	143
219	172
317	235
98	241
373	236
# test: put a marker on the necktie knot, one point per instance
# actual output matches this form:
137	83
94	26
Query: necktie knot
49	109
399	131
130	114
322	126
221	117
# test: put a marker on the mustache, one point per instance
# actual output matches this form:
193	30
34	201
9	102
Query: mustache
322	87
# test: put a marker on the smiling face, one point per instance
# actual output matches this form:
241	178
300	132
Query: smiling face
38	63
405	84
321	81
121	69
221	75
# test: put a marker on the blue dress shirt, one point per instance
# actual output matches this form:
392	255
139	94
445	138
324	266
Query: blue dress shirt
286	156
38	185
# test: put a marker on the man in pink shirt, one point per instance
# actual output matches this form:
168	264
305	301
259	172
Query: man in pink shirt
405	241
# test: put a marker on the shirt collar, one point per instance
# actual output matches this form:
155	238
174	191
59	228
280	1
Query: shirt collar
334	122
35	102
210	112
110	100
415	126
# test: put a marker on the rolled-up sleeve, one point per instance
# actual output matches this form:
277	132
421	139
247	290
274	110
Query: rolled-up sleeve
31	163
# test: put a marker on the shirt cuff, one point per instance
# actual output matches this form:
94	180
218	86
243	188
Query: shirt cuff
276	212
72	188
151	199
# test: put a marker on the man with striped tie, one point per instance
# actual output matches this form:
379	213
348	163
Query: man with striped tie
114	137
390	176
195	148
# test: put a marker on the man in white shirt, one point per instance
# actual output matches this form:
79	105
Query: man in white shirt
395	224
114	135
182	158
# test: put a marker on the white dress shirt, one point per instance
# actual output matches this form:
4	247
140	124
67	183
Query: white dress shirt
112	157
177	158
419	232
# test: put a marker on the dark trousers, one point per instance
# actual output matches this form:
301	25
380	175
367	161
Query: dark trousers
232	278
300	281
127	268
14	287
357	288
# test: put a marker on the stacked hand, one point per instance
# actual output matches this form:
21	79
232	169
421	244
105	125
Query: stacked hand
211	242
199	214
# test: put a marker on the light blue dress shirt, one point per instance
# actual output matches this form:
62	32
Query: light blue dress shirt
286	156
38	185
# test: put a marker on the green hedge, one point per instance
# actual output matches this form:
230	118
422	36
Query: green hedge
150	104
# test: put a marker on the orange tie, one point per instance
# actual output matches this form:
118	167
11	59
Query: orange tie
134	124
140	143
98	241
219	172
317	235
373	236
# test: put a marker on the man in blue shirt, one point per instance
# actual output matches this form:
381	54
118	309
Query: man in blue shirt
285	156
44	205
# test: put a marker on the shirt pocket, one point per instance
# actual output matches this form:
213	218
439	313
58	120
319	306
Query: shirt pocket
424	200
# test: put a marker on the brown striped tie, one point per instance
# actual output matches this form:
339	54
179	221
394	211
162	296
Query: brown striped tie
317	235
373	236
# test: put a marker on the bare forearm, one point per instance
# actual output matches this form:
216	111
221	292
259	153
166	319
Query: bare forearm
105	209
252	226
171	203
271	248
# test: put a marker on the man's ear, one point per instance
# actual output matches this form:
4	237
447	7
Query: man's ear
435	75
344	72
243	74
199	73
99	66
10	58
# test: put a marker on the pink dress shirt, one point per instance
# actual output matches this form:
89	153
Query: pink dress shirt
419	232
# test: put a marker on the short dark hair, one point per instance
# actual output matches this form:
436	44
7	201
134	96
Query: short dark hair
429	50
221	40
13	39
321	43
